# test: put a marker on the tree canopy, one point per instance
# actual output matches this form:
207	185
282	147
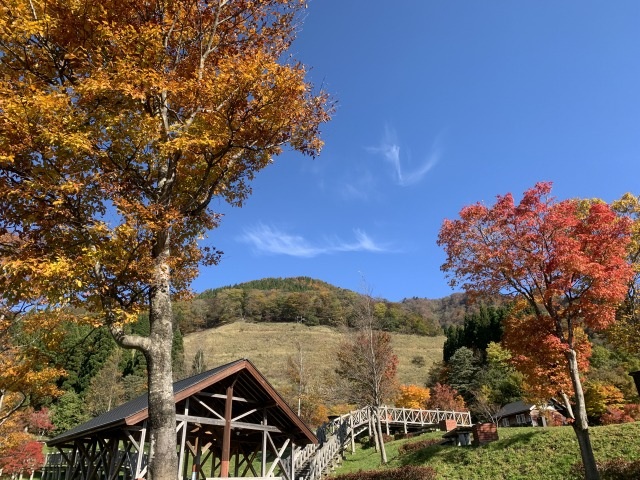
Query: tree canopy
120	121
565	261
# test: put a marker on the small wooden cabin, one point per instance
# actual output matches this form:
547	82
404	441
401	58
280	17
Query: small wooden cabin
230	423
522	414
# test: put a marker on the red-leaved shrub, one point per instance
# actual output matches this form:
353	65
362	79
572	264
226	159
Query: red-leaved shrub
415	446
617	469
25	457
615	415
410	472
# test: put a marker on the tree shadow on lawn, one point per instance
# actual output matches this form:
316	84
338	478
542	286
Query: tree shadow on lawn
451	453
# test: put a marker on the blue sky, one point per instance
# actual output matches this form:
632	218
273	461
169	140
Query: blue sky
440	104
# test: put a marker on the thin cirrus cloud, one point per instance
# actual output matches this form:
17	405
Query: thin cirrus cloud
266	239
389	148
359	187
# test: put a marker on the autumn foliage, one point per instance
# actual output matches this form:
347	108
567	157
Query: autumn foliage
412	396
566	262
540	355
369	365
19	449
120	122
443	397
25	457
407	472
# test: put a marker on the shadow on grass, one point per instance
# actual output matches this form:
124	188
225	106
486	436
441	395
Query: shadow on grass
453	454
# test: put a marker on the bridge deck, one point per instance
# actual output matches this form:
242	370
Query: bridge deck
339	432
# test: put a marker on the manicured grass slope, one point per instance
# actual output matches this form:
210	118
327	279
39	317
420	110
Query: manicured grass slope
268	345
520	454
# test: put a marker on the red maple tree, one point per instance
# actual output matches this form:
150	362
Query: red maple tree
25	457
566	262
444	397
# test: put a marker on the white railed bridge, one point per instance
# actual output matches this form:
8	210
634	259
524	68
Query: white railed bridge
339	434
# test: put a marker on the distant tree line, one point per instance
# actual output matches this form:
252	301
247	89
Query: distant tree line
301	300
477	366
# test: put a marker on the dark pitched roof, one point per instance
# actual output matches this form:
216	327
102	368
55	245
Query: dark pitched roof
136	410
514	408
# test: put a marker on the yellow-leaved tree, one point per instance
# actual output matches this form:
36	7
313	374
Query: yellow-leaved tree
120	121
625	333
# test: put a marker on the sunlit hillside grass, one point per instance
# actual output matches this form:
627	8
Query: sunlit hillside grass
520	454
268	345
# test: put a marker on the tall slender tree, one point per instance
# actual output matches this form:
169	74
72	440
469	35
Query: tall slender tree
367	362
564	261
120	121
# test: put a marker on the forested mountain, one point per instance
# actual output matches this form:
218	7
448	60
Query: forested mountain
314	302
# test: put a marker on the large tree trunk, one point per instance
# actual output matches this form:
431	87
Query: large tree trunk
163	463
581	424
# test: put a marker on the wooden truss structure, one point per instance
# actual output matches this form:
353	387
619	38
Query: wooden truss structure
231	423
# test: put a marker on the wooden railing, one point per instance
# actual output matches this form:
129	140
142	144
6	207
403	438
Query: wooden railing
334	435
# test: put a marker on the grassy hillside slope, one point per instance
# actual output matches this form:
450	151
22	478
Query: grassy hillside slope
520	454
268	345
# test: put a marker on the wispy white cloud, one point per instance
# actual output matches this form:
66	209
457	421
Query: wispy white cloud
359	186
270	240
389	148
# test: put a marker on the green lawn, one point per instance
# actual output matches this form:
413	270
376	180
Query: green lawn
519	454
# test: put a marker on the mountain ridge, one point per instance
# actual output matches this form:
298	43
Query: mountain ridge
315	302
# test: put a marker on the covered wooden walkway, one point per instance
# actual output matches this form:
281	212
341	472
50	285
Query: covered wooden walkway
230	423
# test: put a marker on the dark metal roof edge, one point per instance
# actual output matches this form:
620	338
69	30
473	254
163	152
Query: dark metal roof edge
196	382
283	404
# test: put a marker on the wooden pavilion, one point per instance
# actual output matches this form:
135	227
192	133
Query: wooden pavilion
231	423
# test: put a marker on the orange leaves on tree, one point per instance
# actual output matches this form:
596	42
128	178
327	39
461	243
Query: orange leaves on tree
19	450
567	261
412	396
25	457
25	371
120	122
150	113
443	397
540	355
625	333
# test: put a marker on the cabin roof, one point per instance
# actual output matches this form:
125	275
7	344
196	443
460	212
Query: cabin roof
247	382
514	408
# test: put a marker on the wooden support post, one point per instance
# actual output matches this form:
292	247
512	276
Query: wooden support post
195	468
226	436
404	420
386	419
353	435
236	463
263	463
143	435
181	464
293	461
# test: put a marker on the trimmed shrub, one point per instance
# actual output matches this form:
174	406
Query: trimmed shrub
402	436
415	446
410	472
367	441
617	469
